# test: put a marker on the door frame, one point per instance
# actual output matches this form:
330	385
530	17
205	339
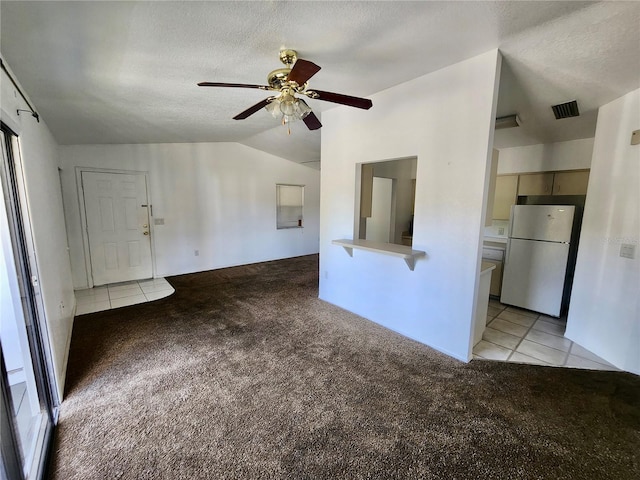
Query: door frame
83	216
24	256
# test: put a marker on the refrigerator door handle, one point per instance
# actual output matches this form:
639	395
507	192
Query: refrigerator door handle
510	227
506	254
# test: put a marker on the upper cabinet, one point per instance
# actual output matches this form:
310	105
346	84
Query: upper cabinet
506	192
536	184
509	187
560	183
571	183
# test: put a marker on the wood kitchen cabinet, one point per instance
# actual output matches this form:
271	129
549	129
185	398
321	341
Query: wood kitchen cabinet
509	187
506	191
570	183
559	183
536	184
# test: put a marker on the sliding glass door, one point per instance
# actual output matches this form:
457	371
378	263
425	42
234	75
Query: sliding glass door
28	399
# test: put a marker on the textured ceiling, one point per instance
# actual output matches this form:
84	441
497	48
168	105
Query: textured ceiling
126	72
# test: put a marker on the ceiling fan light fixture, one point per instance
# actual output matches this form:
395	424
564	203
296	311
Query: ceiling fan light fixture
273	107
287	104
288	108
302	109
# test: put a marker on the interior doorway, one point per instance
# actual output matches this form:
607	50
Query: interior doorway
117	225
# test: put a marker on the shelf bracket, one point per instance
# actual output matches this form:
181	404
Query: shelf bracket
405	252
411	263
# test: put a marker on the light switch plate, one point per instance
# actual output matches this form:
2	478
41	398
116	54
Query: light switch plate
635	137
628	250
158	221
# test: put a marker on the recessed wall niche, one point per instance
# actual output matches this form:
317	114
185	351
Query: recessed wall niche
385	198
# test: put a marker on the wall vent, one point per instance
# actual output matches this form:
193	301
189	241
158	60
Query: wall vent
566	110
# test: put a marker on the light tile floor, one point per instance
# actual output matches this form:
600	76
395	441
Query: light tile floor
522	336
122	294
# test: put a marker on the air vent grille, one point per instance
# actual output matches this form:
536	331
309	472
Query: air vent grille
566	110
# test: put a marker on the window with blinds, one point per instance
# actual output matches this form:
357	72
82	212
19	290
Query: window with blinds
289	206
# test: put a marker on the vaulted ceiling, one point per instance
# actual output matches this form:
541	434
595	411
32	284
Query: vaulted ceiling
126	72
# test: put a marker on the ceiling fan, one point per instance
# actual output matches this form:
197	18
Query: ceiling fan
289	82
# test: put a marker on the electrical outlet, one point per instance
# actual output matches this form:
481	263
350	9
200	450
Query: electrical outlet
501	231
196	253
628	250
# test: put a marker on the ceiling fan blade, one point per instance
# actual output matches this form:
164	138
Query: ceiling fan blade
357	102
302	71
233	85
312	122
251	110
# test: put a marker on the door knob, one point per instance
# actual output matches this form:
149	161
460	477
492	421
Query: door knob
145	233
145	225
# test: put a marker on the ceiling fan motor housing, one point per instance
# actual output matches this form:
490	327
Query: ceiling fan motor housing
279	78
288	57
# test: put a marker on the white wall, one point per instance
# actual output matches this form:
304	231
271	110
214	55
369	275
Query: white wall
548	157
40	164
604	315
218	198
444	119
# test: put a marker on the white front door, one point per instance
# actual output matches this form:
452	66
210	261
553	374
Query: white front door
117	226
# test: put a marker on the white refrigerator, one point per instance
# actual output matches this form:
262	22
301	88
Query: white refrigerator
536	258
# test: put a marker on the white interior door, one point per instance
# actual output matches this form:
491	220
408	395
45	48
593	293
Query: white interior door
117	226
379	223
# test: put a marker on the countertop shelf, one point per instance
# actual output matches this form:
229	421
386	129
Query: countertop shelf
406	253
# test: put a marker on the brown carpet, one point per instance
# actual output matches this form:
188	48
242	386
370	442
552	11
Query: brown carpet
244	374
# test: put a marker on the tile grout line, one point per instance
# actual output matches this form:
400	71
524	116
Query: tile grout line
544	363
136	284
566	353
502	346
566	357
522	338
542	344
570	352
